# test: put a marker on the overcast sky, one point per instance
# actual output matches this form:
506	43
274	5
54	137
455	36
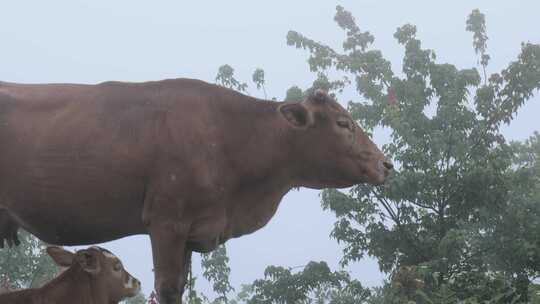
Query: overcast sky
131	40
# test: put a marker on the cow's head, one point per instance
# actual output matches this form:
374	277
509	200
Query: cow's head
334	150
103	267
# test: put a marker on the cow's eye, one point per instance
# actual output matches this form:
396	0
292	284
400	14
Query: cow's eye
344	123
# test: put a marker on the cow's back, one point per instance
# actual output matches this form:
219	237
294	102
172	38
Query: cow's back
74	158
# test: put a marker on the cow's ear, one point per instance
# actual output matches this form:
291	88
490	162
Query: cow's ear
88	260
295	113
60	256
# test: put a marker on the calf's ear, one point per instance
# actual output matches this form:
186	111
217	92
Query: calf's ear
60	256
89	261
295	113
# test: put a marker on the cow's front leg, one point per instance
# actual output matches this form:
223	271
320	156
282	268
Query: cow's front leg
171	260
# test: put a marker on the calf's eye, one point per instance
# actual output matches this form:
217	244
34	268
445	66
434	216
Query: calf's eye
118	267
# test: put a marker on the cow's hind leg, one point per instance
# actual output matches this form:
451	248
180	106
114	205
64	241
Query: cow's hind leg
8	230
171	261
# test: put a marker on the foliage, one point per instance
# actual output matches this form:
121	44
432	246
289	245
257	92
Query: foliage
26	265
216	271
138	299
258	79
225	77
192	296
316	283
534	293
246	290
460	190
511	239
476	23
294	93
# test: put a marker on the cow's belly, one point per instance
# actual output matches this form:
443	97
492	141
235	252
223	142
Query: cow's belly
89	221
78	225
76	204
207	226
229	217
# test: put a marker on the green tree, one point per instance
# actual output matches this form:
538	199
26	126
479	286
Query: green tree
216	270
476	23
294	93
258	79
138	299
456	183
511	240
316	283
225	77
27	265
192	296
246	290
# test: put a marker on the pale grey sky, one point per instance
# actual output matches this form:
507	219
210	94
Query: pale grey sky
133	40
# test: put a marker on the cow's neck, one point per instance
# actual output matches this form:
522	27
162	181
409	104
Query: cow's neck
72	284
258	151
268	164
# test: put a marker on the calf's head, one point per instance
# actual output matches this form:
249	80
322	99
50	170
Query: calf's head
333	150
102	267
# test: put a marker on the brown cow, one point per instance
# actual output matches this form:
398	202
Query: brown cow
189	163
94	276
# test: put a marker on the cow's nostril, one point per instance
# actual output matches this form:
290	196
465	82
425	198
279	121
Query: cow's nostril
388	165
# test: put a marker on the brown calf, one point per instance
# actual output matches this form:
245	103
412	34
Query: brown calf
93	276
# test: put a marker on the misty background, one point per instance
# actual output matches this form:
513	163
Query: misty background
95	41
